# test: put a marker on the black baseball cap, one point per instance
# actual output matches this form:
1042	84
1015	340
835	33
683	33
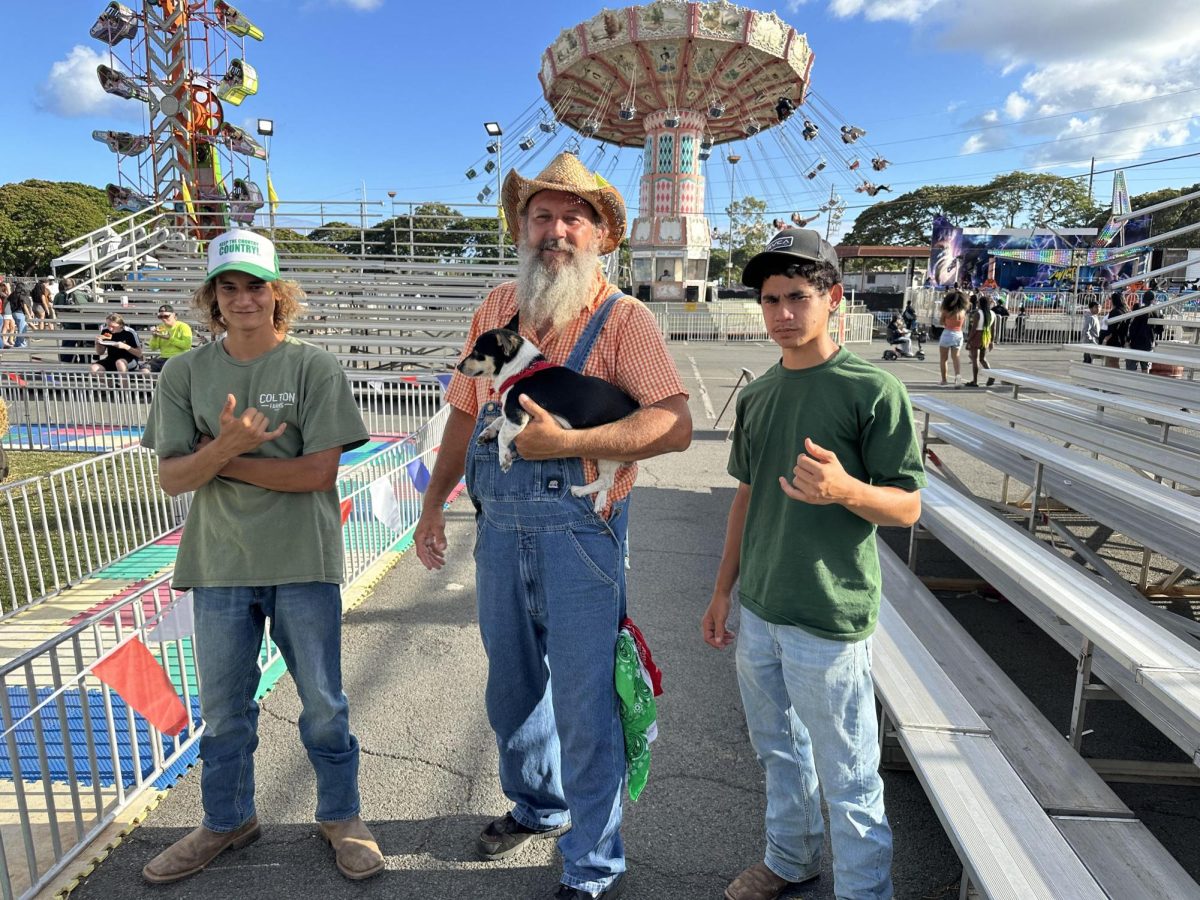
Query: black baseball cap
166	307
792	245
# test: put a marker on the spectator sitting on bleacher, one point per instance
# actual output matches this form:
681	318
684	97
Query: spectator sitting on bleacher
170	338
117	347
804	556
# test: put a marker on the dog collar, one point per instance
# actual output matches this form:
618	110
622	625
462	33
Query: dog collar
536	366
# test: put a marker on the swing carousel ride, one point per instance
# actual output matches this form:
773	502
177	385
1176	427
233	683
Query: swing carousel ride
184	62
676	80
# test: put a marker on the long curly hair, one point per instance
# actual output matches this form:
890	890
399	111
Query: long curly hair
289	301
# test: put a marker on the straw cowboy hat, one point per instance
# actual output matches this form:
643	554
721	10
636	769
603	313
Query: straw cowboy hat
566	173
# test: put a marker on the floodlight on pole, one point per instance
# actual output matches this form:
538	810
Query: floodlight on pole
496	133
392	197
733	159
266	128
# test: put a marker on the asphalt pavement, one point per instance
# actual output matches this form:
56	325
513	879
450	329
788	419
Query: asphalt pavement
414	671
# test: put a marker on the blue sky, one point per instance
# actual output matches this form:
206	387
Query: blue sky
393	95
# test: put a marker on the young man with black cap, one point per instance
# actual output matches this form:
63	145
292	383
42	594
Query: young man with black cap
169	338
255	424
824	450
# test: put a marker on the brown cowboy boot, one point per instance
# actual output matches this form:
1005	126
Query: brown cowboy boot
197	849
354	847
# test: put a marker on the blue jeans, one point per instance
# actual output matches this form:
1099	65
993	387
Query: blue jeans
550	581
22	327
306	625
810	710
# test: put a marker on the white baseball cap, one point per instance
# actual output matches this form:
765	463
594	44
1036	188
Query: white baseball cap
242	250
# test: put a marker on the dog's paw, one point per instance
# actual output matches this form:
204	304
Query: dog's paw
506	460
485	438
601	499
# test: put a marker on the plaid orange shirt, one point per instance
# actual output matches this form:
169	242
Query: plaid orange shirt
629	352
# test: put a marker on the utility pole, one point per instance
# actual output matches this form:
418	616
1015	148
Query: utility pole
1091	176
733	159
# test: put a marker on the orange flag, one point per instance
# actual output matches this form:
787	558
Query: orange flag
132	671
347	508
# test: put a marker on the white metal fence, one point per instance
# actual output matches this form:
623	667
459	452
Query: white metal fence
74	411
58	528
73	754
730	321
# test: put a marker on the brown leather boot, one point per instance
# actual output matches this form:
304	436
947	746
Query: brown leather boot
354	847
197	849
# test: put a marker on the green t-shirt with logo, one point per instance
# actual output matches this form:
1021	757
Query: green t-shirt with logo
816	567
238	534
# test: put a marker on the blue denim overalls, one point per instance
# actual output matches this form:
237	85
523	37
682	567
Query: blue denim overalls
550	581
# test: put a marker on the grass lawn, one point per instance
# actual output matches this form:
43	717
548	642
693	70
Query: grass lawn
28	463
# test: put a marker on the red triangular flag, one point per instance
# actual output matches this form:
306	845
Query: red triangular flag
17	378
132	671
347	507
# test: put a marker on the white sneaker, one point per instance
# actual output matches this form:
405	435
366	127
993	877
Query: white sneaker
957	381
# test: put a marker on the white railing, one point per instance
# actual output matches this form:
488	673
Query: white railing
64	783
59	528
376	523
722	323
74	411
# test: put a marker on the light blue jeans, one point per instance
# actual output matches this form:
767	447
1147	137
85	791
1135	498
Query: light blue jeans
550	582
306	625
810	710
22	327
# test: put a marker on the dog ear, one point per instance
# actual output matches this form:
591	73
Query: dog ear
509	341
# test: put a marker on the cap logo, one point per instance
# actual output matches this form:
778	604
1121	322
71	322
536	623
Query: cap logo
238	245
779	243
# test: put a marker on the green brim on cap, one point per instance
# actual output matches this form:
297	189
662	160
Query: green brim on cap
248	268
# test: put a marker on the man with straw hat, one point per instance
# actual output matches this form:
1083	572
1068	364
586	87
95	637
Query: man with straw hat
550	577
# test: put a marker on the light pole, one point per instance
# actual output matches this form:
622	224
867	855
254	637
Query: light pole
392	197
497	134
266	128
733	159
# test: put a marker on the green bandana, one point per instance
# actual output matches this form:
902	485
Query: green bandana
638	713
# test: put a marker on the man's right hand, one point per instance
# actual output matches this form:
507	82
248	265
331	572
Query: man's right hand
242	433
430	538
712	626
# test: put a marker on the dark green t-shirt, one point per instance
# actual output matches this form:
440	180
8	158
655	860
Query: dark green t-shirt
238	534
816	567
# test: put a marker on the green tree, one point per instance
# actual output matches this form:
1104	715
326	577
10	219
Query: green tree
1171	218
38	217
341	237
293	243
907	221
1029	200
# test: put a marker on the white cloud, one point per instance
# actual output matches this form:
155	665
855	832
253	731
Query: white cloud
1094	56
72	89
361	5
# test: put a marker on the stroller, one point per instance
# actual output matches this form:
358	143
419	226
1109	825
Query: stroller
919	335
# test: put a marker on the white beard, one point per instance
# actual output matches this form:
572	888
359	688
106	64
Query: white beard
550	297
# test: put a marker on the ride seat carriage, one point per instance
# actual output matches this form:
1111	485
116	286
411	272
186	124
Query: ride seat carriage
245	200
117	23
123	142
120	85
240	82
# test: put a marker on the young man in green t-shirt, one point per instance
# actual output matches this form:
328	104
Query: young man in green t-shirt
255	425
824	451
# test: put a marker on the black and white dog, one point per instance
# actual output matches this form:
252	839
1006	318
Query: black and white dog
576	401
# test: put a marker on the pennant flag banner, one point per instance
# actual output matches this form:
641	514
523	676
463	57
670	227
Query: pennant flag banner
176	623
384	506
272	197
418	473
444	380
132	671
347	508
13	376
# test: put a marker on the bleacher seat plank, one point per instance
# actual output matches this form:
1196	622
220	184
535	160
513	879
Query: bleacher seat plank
1189	361
1124	862
1009	846
1155	671
1174	464
1132	405
1123	855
